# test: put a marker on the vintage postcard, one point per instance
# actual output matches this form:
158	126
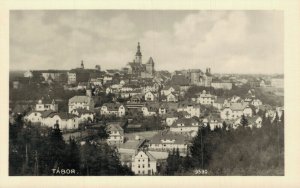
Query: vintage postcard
147	92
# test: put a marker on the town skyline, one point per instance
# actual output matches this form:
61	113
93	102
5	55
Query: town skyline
61	39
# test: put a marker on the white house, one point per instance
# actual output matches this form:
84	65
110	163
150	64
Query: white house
191	108
185	126
170	119
149	96
205	98
235	110
169	89
116	134
113	109
254	121
63	119
167	141
213	122
143	163
172	97
256	102
84	102
34	117
219	103
150	109
43	105
83	115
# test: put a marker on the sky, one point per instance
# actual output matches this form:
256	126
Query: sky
226	41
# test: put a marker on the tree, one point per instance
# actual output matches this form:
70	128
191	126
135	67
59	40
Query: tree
72	159
244	121
101	159
56	148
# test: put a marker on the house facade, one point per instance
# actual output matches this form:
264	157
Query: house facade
236	110
84	102
116	134
143	163
113	109
167	141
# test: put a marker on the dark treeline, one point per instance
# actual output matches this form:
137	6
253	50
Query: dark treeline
243	151
34	150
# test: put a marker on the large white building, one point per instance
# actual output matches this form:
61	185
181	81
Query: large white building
205	98
116	134
167	141
236	110
143	163
116	109
185	126
43	105
49	118
84	102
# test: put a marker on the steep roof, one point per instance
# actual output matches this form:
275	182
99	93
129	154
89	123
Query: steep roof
180	80
114	127
220	100
112	106
186	121
150	61
159	137
185	104
83	111
62	115
80	99
238	106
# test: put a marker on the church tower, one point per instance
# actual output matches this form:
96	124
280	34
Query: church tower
82	65
138	55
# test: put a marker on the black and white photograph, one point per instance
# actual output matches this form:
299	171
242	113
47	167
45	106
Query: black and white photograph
146	93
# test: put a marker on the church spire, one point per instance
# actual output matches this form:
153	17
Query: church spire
138	55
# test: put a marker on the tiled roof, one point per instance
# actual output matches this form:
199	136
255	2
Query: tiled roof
150	61
186	121
238	106
184	104
83	111
157	139
80	99
114	127
179	80
220	100
112	106
152	106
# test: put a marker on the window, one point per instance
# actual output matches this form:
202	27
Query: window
148	165
139	166
143	166
35	114
139	160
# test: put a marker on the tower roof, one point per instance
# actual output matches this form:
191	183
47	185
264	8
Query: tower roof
150	61
138	53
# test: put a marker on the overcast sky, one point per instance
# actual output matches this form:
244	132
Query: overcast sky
226	41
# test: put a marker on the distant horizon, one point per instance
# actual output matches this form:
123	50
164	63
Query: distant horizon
248	42
16	70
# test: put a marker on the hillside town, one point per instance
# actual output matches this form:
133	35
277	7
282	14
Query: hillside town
147	114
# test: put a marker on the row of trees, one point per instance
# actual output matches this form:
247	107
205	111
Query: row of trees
37	151
243	151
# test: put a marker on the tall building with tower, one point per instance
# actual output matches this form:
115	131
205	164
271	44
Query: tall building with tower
136	68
